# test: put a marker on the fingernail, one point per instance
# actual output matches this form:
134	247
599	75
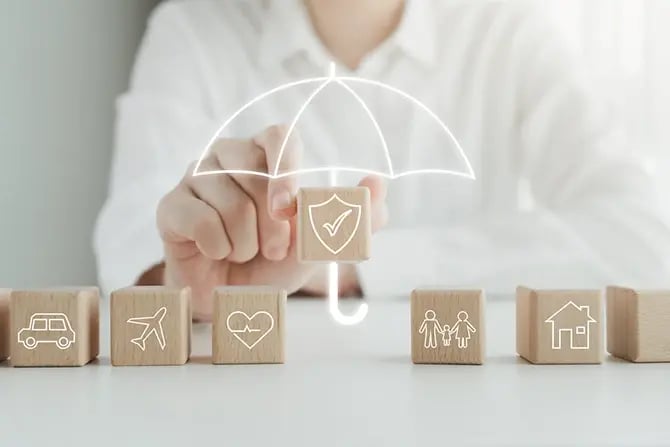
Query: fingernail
281	200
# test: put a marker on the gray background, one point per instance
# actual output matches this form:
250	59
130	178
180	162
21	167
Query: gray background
62	64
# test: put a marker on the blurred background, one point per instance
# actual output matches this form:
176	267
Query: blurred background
64	62
63	65
626	44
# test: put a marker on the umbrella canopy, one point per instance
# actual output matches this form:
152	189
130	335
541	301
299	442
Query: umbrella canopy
353	123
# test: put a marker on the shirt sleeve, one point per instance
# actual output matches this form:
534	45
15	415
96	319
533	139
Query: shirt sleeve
162	121
595	217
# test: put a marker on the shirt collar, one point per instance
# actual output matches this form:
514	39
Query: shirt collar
287	31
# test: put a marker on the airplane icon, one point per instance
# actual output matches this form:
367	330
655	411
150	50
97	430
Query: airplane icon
152	325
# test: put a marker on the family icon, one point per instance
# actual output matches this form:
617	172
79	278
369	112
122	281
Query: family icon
433	330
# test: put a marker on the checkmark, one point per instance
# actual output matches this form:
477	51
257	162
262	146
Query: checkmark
333	228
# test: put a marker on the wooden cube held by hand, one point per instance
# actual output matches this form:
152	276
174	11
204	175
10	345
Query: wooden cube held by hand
58	327
559	326
448	326
248	325
150	325
334	224
638	324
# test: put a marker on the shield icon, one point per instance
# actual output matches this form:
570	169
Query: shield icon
335	222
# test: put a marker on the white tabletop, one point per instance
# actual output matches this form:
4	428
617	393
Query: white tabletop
346	386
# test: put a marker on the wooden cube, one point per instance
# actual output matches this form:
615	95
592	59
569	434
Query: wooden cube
4	323
58	327
448	326
248	325
150	325
638	324
333	224
559	326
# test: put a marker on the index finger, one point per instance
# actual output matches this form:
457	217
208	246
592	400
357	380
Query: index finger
283	152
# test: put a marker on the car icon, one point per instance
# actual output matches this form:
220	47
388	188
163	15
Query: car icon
47	328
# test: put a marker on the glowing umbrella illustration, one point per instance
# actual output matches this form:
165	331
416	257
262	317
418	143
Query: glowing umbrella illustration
305	92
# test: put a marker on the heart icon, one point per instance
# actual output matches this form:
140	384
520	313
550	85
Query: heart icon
250	330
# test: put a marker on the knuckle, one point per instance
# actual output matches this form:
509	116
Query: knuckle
206	223
166	204
257	161
208	164
192	165
241	209
218	146
190	169
257	187
246	210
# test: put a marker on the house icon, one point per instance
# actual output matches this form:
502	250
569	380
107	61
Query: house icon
573	322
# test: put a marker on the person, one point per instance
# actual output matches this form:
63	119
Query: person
430	328
446	335
560	200
463	329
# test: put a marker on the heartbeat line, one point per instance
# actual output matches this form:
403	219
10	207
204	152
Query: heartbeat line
246	329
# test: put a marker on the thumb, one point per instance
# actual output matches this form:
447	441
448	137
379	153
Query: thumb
378	209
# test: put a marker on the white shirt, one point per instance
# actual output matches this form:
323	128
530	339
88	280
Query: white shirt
559	199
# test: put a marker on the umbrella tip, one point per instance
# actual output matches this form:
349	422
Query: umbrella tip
331	70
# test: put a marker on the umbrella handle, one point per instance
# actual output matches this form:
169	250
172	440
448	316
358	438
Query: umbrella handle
333	303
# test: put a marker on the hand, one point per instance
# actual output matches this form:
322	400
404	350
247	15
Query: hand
240	229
